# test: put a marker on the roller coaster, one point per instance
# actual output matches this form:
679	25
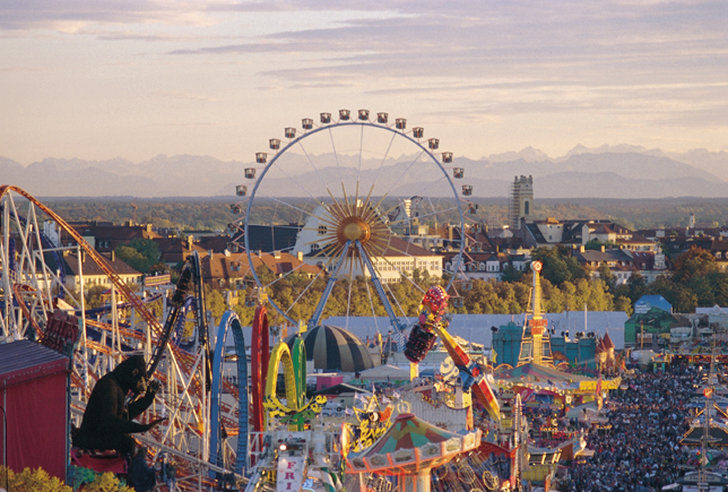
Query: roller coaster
35	293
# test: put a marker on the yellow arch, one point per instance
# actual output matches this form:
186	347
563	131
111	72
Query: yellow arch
281	354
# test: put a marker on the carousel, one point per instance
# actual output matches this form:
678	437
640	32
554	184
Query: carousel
409	449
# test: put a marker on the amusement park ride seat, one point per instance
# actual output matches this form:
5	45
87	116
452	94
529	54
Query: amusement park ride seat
100	460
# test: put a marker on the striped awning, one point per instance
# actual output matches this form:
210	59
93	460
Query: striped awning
335	349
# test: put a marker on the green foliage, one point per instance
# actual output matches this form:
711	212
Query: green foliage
95	296
558	265
511	274
605	273
87	480
29	480
483	297
140	254
623	303
215	303
107	482
694	263
683	300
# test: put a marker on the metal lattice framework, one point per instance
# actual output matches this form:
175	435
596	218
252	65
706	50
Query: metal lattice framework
33	284
359	224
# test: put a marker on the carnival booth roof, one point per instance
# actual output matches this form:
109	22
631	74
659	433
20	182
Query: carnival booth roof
536	372
411	444
335	349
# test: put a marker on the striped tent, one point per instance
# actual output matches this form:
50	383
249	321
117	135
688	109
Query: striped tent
335	349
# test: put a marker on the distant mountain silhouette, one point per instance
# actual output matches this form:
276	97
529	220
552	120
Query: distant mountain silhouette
622	171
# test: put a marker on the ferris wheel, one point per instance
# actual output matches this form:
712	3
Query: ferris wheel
352	212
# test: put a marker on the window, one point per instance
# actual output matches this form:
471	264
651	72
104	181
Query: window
322	229
315	246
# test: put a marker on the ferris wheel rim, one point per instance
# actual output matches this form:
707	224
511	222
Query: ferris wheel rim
457	260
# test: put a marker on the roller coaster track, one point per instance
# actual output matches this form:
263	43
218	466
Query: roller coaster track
184	399
122	287
100	260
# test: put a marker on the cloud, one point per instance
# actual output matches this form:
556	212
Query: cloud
72	15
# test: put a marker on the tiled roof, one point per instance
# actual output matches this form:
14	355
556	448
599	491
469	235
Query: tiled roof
91	268
272	238
218	244
236	265
591	255
399	247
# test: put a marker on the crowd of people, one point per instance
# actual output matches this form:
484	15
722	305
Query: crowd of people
641	450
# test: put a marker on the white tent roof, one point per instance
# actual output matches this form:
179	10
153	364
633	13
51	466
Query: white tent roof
476	327
382	372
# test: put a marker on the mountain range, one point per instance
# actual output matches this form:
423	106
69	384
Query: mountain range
605	172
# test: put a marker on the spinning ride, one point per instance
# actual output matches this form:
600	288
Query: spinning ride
351	195
409	449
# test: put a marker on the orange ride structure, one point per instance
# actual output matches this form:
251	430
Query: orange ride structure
34	291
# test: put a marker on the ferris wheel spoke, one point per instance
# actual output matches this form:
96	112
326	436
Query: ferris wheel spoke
406	170
298	209
336	154
402	273
284	276
335	205
297	184
427	215
384	159
361	146
309	285
324	268
313	165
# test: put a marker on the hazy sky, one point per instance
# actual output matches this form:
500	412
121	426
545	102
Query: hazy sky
135	78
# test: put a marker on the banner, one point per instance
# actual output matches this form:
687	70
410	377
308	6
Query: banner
290	473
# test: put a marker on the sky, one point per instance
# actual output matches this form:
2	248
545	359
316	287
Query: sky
138	78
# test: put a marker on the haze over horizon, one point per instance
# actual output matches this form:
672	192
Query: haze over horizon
100	80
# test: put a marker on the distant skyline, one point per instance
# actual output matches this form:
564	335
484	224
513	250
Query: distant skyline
138	78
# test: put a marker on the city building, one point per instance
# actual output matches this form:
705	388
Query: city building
93	275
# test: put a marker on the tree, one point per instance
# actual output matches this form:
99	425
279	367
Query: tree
96	297
605	273
693	263
623	303
140	254
511	274
215	303
558	265
683	300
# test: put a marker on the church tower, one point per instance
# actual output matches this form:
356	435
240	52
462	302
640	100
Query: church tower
521	201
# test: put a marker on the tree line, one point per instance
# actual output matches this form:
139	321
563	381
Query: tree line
695	280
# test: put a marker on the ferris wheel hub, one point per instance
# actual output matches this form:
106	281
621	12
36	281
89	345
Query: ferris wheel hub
353	229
